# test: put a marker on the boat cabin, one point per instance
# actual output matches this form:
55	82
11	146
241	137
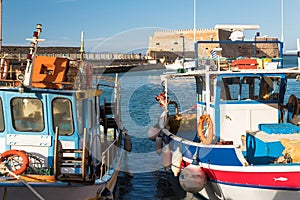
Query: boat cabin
55	119
241	101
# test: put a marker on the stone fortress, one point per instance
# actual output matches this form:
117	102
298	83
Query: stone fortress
167	45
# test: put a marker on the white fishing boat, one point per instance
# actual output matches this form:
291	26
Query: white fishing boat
59	139
188	64
246	145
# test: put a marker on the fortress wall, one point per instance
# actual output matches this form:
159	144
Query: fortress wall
170	41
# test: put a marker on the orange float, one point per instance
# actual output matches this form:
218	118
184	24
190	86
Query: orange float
205	139
16	153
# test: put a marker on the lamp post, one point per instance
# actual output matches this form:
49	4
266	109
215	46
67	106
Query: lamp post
183	56
256	35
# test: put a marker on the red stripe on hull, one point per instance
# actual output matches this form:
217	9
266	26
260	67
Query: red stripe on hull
261	179
284	180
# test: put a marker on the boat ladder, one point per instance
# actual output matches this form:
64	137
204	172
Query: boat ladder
82	160
106	121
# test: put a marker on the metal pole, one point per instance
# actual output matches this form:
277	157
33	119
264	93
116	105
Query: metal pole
183	57
194	21
282	22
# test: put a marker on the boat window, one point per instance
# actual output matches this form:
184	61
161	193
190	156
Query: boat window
80	115
62	116
27	114
199	87
270	87
211	87
230	88
250	88
1	117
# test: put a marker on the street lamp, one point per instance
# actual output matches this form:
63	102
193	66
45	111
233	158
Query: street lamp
183	56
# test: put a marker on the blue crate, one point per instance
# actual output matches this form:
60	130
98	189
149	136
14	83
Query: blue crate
286	128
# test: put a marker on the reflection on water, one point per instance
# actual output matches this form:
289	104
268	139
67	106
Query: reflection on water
142	175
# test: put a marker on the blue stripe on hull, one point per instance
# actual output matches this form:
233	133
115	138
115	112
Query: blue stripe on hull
211	155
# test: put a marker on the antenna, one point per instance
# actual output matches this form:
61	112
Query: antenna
282	22
194	21
82	46
32	52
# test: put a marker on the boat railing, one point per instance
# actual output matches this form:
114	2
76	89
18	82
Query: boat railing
108	157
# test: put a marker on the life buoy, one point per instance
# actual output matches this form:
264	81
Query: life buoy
205	139
3	68
16	153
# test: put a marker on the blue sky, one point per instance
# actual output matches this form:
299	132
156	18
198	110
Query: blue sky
125	25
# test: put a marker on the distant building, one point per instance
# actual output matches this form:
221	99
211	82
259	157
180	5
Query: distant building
168	44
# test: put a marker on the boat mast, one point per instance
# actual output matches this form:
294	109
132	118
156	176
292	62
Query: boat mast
194	21
282	22
32	53
0	25
82	46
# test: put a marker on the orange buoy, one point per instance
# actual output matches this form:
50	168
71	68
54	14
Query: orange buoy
16	153
205	139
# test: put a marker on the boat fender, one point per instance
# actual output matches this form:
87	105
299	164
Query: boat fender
127	142
153	132
3	68
293	107
192	178
166	157
18	153
176	161
163	120
205	138
158	144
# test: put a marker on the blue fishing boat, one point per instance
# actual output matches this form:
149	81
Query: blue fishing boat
247	138
59	139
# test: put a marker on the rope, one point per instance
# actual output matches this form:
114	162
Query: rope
26	184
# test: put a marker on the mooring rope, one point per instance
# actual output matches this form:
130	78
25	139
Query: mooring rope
26	184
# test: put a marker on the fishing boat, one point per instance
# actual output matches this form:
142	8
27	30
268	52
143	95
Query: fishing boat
246	143
59	138
187	64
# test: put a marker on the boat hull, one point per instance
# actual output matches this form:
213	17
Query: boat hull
58	190
49	192
214	190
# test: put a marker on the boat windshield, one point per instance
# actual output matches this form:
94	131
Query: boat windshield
250	88
27	114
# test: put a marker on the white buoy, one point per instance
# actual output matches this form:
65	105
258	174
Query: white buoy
163	120
153	132
166	157
158	144
176	161
192	178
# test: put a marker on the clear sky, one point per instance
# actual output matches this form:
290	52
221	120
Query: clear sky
125	25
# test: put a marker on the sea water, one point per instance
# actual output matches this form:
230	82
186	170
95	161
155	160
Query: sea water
142	175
